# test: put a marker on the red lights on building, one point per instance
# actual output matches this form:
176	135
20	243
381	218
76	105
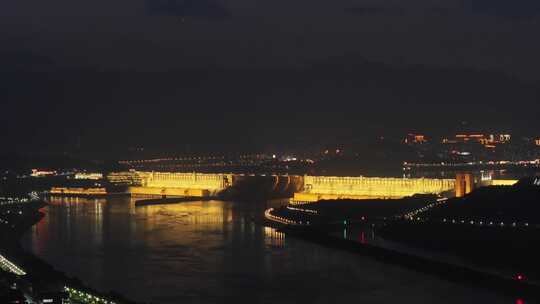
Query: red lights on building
415	139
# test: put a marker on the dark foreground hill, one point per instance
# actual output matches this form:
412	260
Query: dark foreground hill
494	227
520	202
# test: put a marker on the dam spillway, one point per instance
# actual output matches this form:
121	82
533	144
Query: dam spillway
171	184
302	188
317	188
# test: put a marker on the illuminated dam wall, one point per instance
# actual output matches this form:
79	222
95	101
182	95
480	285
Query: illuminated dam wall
332	187
302	188
179	184
229	186
501	182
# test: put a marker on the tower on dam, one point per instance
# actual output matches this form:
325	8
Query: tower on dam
465	183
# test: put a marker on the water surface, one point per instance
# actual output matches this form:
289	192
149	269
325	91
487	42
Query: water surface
218	252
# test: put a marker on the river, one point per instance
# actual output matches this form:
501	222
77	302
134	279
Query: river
218	252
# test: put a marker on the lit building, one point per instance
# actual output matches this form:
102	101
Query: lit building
128	178
42	173
415	138
500	138
93	176
470	138
537	142
489	141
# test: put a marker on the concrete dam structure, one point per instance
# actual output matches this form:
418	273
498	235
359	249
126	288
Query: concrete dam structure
170	184
302	188
167	184
317	188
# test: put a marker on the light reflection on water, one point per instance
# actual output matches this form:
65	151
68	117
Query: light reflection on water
217	252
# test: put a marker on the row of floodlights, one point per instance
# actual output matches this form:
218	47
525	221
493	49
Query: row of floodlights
303	210
483	222
477	222
297	203
268	214
86	297
9	266
414	213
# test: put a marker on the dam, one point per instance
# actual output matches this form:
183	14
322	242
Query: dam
171	184
301	188
317	188
175	184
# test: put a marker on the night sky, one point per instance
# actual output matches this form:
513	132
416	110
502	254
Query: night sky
247	73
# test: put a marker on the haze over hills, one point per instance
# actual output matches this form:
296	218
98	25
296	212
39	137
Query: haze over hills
347	96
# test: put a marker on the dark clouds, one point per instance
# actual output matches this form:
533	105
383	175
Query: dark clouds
122	33
342	97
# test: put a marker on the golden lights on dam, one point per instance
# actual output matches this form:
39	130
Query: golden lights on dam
312	188
307	188
336	187
172	183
